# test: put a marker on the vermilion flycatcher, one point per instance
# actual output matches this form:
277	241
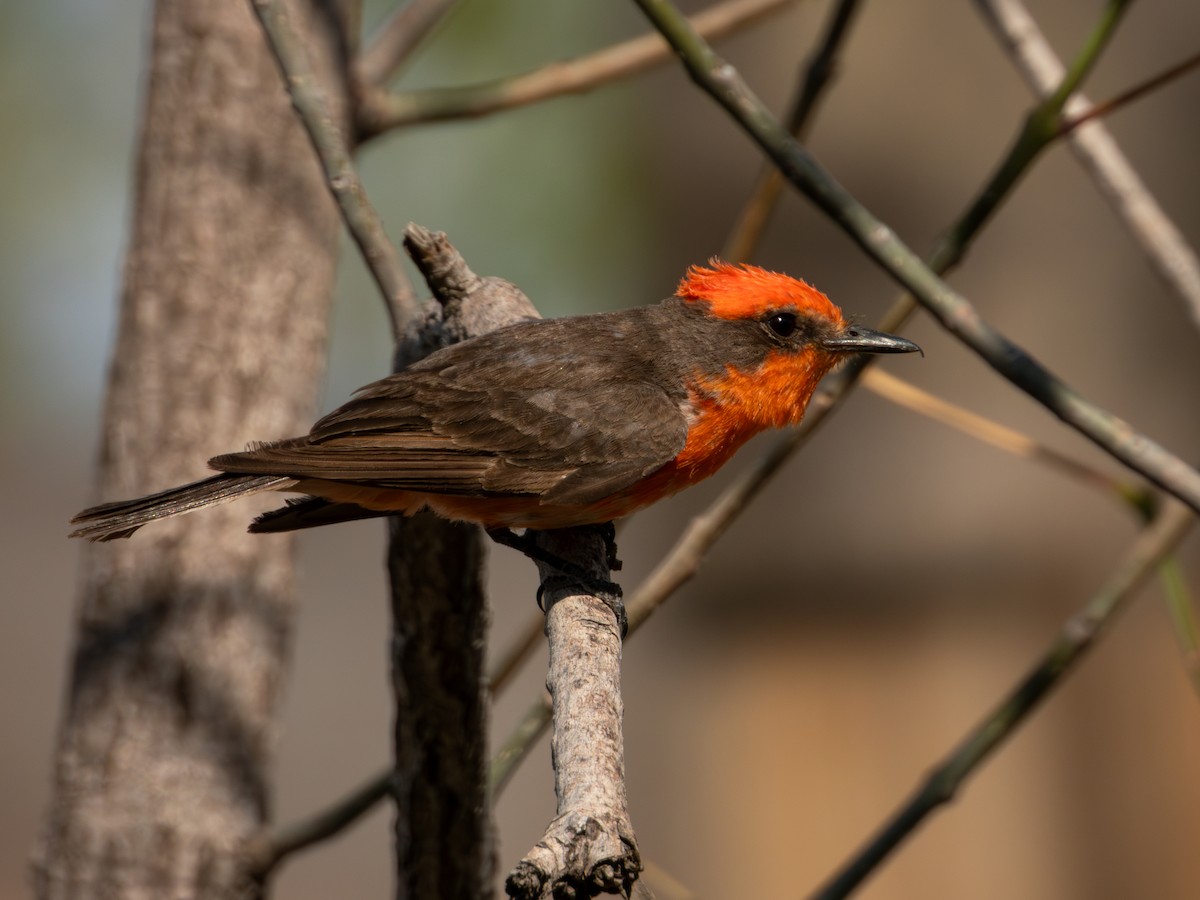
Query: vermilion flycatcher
550	423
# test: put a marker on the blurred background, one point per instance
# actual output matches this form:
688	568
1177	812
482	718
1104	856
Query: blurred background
872	606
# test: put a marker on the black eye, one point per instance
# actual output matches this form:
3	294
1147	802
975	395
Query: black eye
782	323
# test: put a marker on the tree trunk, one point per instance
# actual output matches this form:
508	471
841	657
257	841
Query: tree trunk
184	631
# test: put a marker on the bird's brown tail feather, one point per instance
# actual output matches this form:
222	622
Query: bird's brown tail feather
124	517
310	512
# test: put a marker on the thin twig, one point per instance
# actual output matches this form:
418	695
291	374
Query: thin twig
953	310
329	141
1040	130
395	40
756	211
1112	104
1133	496
1117	180
344	811
971	423
1183	619
1079	634
683	560
269	853
518	651
520	741
382	111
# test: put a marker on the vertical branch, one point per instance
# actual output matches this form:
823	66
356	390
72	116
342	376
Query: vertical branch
444	842
589	847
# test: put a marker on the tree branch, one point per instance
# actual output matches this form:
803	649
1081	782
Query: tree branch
590	846
1078	635
1107	107
396	39
440	619
267	853
757	209
334	150
950	308
1168	252
902	393
380	110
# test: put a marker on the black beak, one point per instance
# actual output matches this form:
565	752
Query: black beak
863	340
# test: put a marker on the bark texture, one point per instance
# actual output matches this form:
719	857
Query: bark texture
590	847
184	631
445	846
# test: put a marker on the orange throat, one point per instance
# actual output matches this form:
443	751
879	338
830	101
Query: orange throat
731	409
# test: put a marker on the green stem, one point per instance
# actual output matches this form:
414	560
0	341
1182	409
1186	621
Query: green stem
1042	127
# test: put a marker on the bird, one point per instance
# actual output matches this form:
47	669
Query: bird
548	423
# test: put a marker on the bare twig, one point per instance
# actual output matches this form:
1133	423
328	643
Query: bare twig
268	854
520	741
328	138
1078	635
518	651
1112	104
382	111
1137	209
756	211
346	810
913	398
1183	619
395	40
954	311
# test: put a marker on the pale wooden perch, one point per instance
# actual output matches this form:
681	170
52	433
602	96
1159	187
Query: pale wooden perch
589	848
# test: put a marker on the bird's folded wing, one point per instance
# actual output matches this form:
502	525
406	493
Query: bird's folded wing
425	434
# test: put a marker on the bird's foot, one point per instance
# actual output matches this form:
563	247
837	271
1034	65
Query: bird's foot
571	575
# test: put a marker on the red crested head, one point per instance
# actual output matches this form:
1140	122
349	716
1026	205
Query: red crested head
748	292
